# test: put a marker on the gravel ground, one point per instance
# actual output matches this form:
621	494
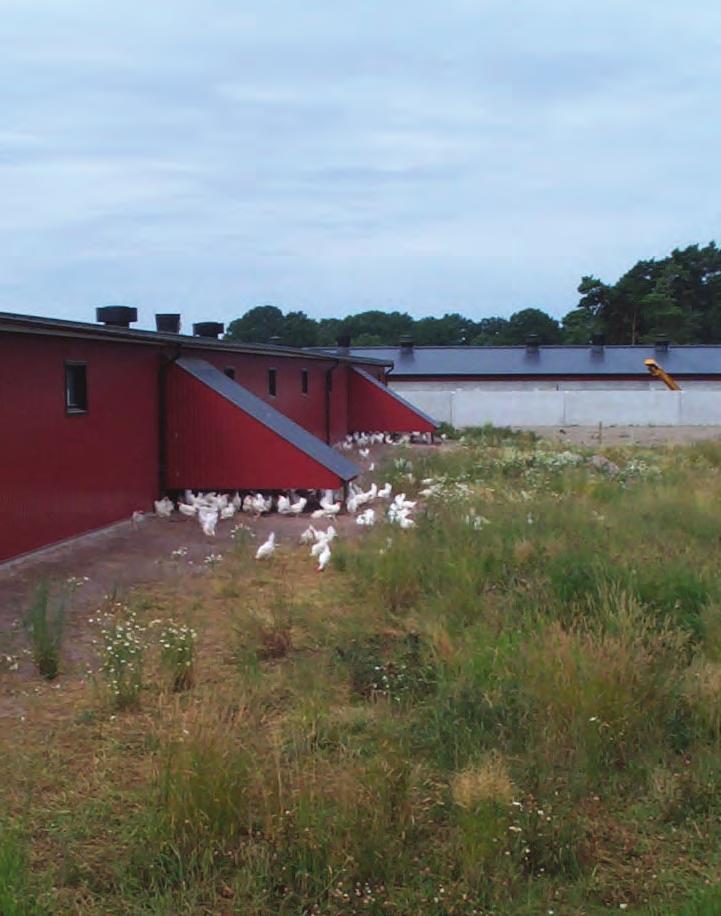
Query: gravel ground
628	435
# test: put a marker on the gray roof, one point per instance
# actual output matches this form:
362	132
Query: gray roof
267	415
547	361
59	327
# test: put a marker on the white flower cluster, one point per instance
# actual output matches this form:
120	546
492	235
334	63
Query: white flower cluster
241	532
178	639
123	645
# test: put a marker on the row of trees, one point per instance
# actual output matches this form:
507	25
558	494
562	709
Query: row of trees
678	297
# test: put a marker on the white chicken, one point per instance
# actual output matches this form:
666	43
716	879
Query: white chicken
308	535
266	548
261	505
164	507
227	511
324	558
188	510
283	507
366	518
297	507
208	519
385	491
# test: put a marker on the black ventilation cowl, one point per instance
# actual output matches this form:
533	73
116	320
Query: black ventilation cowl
210	329
532	343
116	316
342	341
167	323
407	343
661	345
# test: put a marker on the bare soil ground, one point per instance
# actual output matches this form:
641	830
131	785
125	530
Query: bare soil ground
628	435
124	557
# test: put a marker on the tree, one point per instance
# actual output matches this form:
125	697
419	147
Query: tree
257	326
578	326
299	330
490	332
450	330
677	297
532	321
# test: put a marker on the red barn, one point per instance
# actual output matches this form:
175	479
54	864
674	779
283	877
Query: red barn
99	420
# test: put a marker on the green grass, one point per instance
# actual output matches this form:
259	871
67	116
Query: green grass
44	623
16	895
514	707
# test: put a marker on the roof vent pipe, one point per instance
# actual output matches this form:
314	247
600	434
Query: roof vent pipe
342	341
210	329
275	341
661	345
532	343
116	316
597	343
167	323
407	343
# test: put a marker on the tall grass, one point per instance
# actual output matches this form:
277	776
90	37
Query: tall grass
514	715
16	896
44	623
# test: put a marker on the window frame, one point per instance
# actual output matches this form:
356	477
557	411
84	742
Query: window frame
272	382
72	410
229	371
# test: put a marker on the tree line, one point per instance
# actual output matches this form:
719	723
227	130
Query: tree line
677	297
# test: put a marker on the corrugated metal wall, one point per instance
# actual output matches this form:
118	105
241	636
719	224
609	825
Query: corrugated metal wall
307	410
213	445
372	407
62	475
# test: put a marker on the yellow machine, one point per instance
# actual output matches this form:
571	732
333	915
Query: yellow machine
658	372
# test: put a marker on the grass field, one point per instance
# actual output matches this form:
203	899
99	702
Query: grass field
514	707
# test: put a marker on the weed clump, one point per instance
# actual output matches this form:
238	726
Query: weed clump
44	623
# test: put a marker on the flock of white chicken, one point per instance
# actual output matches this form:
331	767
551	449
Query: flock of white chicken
210	508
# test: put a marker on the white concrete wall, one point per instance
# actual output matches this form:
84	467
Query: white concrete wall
476	406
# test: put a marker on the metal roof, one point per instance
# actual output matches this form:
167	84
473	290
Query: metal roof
267	415
34	324
546	361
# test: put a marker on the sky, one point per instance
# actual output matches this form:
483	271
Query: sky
477	156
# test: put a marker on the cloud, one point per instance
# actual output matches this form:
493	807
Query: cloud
477	155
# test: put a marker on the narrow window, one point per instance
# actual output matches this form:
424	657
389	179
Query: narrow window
230	372
304	381
271	382
76	387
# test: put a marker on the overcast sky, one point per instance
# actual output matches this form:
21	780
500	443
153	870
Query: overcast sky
337	155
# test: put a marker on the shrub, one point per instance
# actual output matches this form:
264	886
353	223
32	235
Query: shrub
177	654
396	668
122	650
44	623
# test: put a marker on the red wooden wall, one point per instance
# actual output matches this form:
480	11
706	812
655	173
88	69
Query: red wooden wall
63	475
375	408
213	445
